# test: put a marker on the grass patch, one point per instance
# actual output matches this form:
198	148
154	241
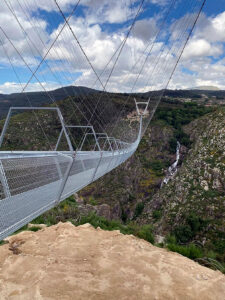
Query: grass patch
34	228
191	251
157	215
144	232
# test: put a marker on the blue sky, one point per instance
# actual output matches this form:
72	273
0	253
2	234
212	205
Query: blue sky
101	26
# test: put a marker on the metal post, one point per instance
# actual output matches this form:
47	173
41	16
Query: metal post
99	162
59	139
4	181
64	129
58	168
86	134
142	103
83	141
62	186
96	141
5	126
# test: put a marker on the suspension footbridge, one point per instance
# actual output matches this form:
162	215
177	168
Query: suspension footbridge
32	182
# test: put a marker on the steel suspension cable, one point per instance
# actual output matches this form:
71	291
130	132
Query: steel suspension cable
53	43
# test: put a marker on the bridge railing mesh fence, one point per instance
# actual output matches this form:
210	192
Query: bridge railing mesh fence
28	187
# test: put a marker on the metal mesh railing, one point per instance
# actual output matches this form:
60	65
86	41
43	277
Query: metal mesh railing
24	174
29	186
31	183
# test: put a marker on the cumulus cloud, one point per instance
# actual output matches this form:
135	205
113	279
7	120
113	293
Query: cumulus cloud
201	47
145	29
15	87
203	57
101	44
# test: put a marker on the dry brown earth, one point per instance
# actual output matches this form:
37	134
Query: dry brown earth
68	262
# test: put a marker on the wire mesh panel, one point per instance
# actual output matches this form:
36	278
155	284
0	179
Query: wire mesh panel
82	172
31	186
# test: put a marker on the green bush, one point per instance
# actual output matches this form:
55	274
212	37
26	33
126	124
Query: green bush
183	233
93	201
138	209
34	228
177	117
145	233
124	215
173	145
193	224
219	246
157	214
190	251
171	239
211	254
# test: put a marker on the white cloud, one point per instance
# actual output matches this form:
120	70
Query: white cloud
201	47
211	28
145	29
100	45
15	87
203	57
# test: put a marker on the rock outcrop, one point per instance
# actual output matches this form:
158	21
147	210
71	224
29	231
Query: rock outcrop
199	186
68	262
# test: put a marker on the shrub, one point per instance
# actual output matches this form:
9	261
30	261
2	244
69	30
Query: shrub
171	239
173	145
143	232
190	251
138	209
123	215
183	233
34	228
146	233
157	214
92	201
194	222
211	254
219	246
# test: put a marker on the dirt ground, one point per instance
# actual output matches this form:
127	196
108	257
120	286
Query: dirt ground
68	262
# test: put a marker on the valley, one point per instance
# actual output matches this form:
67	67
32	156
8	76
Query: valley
186	214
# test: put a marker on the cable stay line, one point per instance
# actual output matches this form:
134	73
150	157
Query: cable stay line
69	97
53	43
95	130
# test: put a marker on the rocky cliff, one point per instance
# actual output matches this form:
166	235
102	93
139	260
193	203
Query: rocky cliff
68	262
192	205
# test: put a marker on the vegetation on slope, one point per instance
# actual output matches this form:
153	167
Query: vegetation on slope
68	210
128	199
192	205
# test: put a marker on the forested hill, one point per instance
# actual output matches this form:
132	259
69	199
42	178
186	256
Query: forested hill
39	98
220	94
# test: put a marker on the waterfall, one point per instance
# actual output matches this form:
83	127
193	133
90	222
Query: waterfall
173	168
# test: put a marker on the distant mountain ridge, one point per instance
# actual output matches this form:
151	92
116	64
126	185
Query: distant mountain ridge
39	98
191	93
